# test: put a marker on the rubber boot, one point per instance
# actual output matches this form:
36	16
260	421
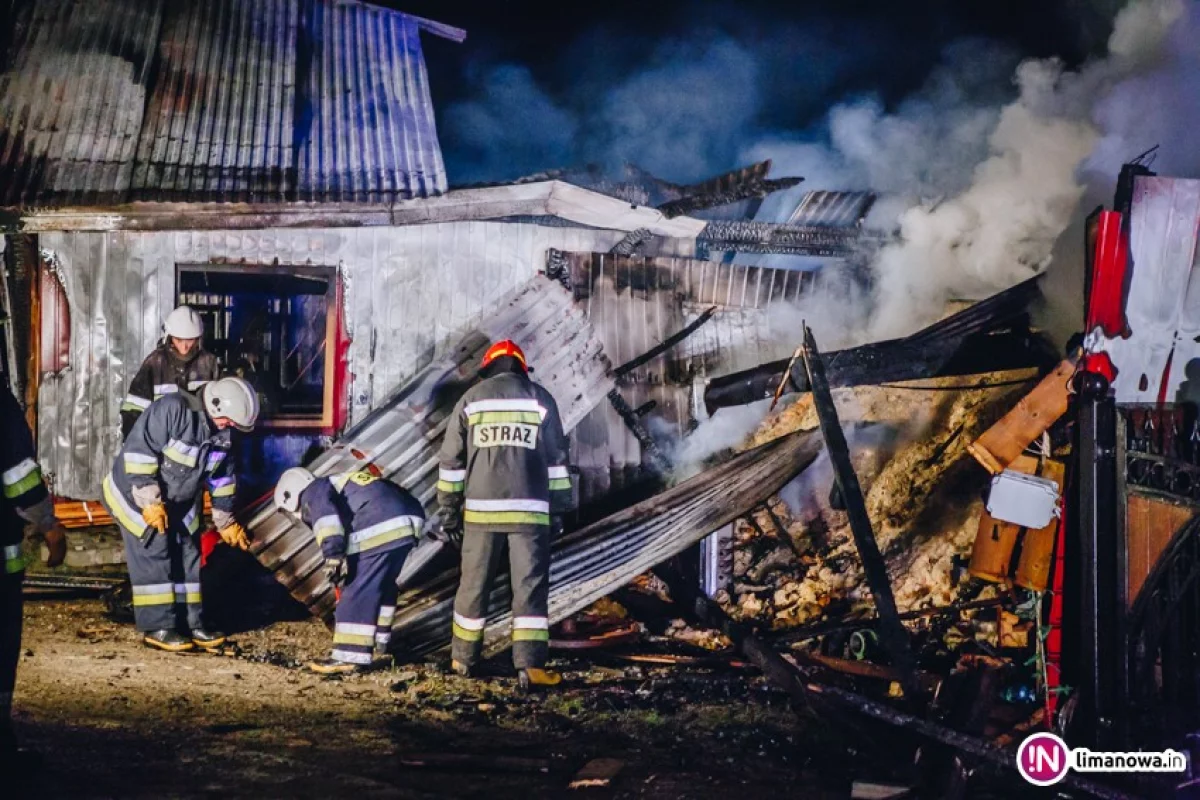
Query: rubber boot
460	669
170	641
207	640
534	677
333	666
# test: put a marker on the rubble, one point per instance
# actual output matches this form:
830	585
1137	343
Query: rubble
908	443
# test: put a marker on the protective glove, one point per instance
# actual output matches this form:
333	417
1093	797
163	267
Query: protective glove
452	529
155	515
235	536
56	543
335	571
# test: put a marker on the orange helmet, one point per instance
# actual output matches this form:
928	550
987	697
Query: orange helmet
505	348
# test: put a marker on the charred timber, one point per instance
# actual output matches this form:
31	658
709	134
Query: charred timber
666	344
990	336
640	432
963	742
892	632
828	701
771	237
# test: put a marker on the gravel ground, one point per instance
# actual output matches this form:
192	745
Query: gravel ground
114	719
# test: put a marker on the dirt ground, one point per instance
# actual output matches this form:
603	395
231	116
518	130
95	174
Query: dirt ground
115	719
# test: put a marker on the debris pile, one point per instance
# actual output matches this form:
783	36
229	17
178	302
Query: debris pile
795	559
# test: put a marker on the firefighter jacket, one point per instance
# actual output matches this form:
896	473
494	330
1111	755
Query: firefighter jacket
24	497
165	372
355	512
504	458
172	453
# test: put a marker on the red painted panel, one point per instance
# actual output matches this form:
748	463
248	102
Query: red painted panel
1106	304
341	363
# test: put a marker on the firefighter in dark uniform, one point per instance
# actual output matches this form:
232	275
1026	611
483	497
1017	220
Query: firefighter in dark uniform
365	526
25	500
179	364
180	444
503	473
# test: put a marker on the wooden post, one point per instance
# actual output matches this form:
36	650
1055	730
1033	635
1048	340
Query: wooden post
892	631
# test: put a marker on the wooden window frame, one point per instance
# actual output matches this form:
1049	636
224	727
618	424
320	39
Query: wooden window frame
328	419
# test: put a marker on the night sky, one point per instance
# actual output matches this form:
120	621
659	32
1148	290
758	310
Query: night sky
539	85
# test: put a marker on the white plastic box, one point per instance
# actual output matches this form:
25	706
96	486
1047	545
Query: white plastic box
1025	500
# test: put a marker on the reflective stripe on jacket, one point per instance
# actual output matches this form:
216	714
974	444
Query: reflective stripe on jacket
356	512
175	447
504	458
21	484
165	372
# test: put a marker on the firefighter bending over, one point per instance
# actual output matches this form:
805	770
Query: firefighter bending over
179	364
365	526
155	490
25	499
503	473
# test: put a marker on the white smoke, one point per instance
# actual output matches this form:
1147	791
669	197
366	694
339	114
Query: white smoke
725	429
982	194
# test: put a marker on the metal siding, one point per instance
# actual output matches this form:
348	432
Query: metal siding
408	291
401	439
1163	306
636	303
824	209
113	101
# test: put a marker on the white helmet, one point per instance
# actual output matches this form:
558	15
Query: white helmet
291	485
233	399
184	323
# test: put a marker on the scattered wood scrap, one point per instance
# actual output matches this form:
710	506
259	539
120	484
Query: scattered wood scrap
475	762
863	790
597	773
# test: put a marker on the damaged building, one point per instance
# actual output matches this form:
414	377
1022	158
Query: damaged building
275	165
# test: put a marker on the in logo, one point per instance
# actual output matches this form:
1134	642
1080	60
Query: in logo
1043	759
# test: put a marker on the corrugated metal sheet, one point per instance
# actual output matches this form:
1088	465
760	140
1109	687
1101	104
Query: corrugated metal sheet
408	292
824	209
1163	306
588	564
402	437
112	101
636	303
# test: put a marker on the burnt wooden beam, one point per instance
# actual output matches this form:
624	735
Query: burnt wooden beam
630	416
963	742
665	344
634	423
990	336
773	237
892	632
824	628
827	701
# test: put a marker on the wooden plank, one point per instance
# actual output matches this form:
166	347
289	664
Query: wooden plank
1150	525
1000	445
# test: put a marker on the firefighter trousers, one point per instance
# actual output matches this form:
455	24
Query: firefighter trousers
529	574
363	618
164	569
11	614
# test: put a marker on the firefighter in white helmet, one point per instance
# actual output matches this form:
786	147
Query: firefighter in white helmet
365	526
179	364
177	448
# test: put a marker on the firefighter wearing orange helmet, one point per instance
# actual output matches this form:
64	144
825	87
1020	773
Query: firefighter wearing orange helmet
503	473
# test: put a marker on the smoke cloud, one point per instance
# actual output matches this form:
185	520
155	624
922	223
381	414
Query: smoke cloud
982	194
984	173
